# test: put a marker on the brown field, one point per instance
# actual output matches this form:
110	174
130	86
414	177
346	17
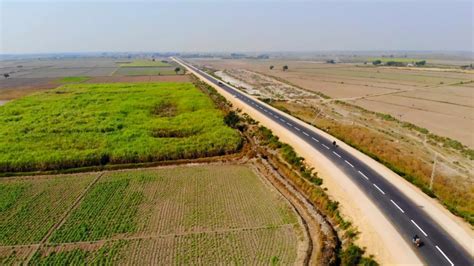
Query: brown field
450	102
171	215
442	109
18	87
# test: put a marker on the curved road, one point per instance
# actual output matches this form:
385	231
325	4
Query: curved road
439	247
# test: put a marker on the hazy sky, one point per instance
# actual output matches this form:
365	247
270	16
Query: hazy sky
68	26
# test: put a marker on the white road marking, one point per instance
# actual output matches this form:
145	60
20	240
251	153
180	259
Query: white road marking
446	257
335	153
348	163
297	128
315	139
305	133
419	227
377	187
289	124
282	120
260	108
265	111
396	205
276	116
325	146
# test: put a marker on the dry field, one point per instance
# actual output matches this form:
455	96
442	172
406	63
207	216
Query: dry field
172	215
53	68
34	75
407	149
432	99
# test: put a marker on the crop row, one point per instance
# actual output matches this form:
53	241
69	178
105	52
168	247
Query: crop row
251	247
30	207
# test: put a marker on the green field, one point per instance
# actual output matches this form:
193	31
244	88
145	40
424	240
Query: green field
145	63
206	214
145	71
30	207
73	79
80	125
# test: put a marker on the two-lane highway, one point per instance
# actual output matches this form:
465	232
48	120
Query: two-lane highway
439	247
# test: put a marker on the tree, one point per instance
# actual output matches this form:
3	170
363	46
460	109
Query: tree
6	75
177	69
271	67
285	67
421	63
377	62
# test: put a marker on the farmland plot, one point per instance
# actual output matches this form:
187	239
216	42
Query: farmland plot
29	207
80	125
177	215
144	71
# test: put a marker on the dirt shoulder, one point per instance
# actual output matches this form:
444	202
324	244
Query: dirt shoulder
362	214
374	226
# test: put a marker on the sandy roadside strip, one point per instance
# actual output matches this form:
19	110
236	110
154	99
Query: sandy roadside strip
375	228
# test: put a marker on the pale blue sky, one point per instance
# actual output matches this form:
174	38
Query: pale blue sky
203	26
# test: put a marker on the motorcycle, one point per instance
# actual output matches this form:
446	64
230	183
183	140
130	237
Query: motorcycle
417	241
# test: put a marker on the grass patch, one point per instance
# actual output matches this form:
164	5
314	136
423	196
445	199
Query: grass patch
145	63
80	125
146	71
73	79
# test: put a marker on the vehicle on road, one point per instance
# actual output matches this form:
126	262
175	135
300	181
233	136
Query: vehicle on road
417	241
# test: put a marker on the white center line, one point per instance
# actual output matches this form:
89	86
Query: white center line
265	111
297	128
276	116
315	139
396	205
335	153
282	120
305	133
446	257
348	163
362	174
381	191
419	227
325	146
289	124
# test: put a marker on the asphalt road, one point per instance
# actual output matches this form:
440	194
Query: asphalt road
439	247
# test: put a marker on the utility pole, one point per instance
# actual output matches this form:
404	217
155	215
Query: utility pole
316	116
433	170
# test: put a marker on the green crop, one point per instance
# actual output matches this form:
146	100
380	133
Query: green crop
80	125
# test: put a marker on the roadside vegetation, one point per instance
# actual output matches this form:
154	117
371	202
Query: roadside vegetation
309	183
458	199
79	125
